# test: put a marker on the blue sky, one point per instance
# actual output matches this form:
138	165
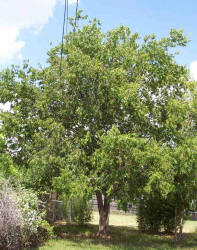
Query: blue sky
28	27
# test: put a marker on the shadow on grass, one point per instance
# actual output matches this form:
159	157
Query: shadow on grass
120	237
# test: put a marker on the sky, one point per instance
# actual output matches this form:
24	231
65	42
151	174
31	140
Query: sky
29	28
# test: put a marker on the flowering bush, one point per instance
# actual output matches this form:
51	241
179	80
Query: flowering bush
21	222
11	220
32	218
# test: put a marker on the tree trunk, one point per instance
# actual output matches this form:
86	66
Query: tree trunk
175	225
103	208
51	208
181	226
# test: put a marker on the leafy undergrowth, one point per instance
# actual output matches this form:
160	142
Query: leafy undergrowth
119	237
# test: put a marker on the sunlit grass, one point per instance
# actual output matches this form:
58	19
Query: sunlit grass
129	220
117	219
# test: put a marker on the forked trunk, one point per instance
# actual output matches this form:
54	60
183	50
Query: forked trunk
103	208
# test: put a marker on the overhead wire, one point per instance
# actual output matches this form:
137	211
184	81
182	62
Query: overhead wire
65	22
67	17
77	4
63	31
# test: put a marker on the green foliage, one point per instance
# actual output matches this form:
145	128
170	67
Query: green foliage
75	195
156	214
172	190
184	158
45	231
7	168
118	158
67	185
49	153
77	210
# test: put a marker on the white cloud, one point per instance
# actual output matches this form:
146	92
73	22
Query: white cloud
69	1
193	70
17	15
9	46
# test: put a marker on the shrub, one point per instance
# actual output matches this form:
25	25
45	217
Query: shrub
11	220
45	231
20	219
148	216
77	210
155	214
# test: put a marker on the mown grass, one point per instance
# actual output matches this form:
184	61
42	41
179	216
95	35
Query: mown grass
117	219
123	234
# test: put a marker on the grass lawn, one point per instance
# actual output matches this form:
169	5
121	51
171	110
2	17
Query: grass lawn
128	220
123	234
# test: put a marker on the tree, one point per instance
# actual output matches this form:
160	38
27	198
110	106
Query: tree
180	189
108	79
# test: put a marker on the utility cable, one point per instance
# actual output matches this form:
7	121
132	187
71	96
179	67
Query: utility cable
77	4
62	45
67	17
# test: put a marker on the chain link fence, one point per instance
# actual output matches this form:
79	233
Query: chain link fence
55	210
